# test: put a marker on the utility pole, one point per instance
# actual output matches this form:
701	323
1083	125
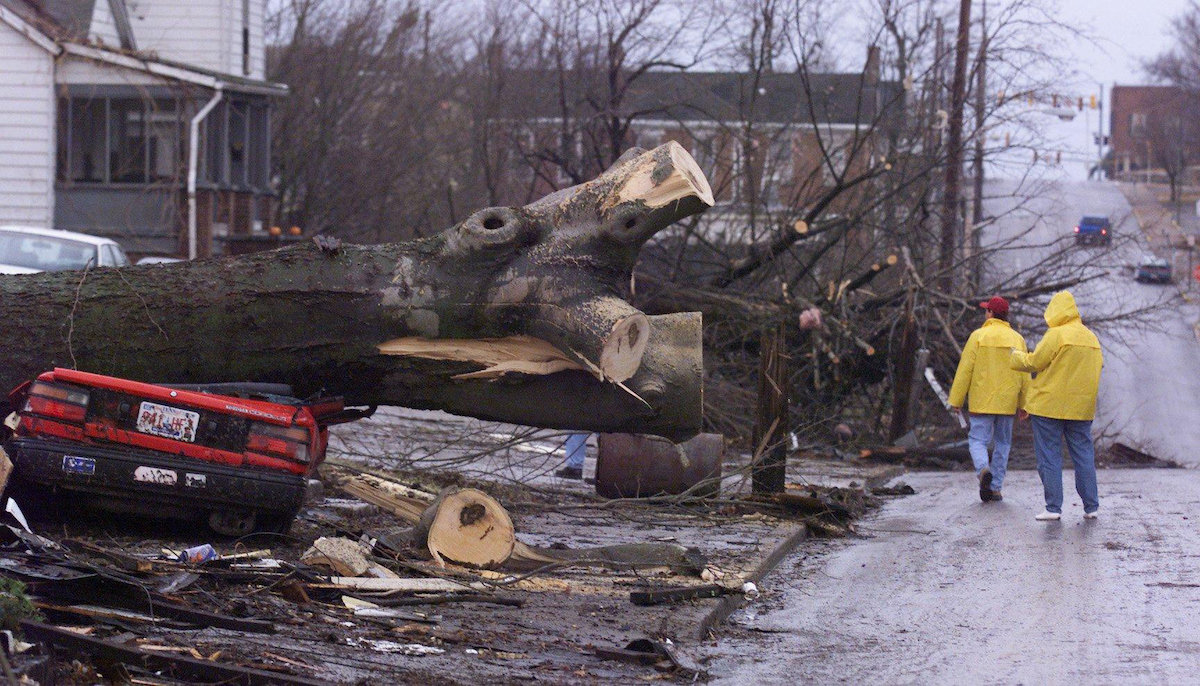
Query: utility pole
954	147
977	163
980	106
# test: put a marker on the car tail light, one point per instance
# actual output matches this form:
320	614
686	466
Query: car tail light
1076	229
287	441
1103	232
57	402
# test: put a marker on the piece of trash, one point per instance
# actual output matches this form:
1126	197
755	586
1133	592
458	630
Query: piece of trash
414	649
14	509
14	645
356	603
198	554
178	582
750	590
342	555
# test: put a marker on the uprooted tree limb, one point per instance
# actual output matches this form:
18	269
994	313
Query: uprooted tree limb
533	297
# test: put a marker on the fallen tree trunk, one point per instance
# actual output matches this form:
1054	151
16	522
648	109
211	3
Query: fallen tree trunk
385	324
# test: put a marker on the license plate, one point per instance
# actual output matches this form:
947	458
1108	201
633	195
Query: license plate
168	422
79	465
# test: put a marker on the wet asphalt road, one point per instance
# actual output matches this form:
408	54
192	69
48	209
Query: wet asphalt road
947	590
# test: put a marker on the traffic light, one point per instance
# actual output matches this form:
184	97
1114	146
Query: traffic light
1092	101
1054	100
1081	103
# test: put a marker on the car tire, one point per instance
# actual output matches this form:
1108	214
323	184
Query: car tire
277	522
232	523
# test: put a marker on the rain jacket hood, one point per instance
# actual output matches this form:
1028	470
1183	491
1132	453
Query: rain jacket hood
984	377
1067	363
1061	309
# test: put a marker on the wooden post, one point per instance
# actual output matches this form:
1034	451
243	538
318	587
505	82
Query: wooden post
771	425
904	371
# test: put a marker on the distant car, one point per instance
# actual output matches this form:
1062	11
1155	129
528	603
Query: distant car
235	455
158	259
1154	270
1093	230
28	250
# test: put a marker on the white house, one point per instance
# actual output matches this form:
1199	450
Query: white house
146	121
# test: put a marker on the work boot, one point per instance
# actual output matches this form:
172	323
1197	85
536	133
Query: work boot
985	484
575	473
1048	516
997	496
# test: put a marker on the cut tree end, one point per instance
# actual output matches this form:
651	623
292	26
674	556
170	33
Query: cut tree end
622	353
663	178
469	527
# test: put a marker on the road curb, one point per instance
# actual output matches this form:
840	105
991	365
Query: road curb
727	605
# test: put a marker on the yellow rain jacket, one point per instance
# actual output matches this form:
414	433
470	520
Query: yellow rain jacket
984	375
1067	362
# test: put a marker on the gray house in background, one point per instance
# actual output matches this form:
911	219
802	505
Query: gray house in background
146	121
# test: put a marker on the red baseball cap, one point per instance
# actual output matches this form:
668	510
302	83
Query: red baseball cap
996	305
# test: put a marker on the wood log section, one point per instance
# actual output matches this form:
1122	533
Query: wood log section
468	527
517	314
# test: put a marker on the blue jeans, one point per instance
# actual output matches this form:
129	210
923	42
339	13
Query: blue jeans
984	429
1048	437
576	447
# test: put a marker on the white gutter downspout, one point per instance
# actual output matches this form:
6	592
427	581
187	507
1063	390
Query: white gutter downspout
193	162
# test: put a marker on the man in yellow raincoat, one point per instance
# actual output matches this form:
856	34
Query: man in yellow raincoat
1062	403
995	392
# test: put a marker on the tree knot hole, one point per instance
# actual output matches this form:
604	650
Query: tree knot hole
493	223
472	513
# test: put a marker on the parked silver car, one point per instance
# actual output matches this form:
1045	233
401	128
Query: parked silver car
28	250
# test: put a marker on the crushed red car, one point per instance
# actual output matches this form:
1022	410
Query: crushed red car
236	455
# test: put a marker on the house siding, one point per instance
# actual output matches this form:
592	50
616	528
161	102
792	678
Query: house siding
188	31
103	28
206	33
27	137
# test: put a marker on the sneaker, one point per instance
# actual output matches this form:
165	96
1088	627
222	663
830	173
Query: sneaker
1091	515
985	484
1048	516
997	495
575	473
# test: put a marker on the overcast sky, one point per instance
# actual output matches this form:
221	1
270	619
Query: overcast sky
1127	32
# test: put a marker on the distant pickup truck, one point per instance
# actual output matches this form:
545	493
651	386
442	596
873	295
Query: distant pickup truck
1093	230
236	456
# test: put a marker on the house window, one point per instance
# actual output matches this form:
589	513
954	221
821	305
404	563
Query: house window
239	120
87	121
1137	124
127	141
164	132
118	140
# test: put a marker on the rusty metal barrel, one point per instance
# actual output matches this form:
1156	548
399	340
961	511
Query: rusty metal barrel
639	466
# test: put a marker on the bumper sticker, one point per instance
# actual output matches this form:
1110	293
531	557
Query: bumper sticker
79	465
156	475
195	480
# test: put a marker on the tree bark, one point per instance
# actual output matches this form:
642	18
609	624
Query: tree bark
770	428
316	316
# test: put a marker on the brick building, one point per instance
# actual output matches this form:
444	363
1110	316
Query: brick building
1148	122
